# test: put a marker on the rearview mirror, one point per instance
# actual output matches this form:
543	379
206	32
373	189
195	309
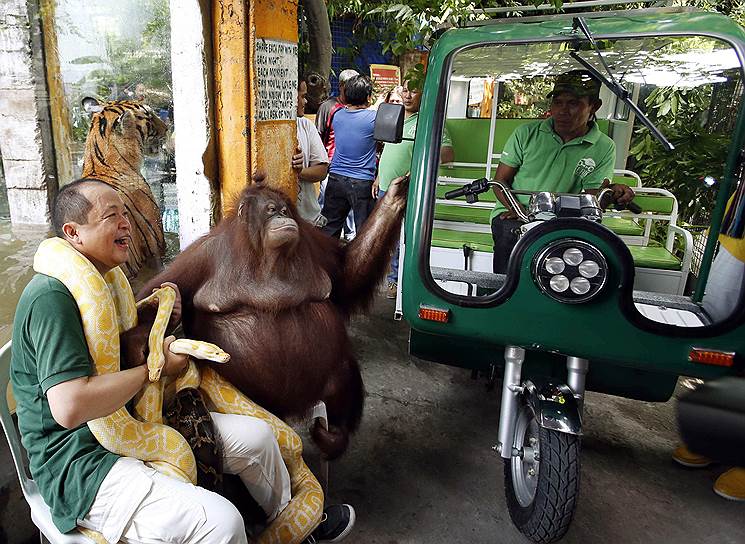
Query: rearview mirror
389	123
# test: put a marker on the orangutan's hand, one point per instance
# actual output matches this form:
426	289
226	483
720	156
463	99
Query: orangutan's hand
399	187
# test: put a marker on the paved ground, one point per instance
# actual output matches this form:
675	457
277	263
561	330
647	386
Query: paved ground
421	469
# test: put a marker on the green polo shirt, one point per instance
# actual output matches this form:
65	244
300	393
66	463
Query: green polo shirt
396	158
49	348
546	163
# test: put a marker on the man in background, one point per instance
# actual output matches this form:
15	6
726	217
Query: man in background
396	161
311	164
325	115
353	165
565	153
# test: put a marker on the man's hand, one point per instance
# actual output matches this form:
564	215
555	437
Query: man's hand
509	214
375	188
175	362
297	160
622	194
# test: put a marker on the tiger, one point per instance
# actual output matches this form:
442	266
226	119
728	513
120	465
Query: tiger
120	135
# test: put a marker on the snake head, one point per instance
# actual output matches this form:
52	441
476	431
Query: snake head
219	356
199	350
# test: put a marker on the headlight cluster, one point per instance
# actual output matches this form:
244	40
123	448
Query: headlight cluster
570	271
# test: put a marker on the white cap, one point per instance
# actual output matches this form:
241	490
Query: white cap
347	74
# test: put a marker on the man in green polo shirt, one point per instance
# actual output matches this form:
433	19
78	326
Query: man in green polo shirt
396	162
565	153
57	392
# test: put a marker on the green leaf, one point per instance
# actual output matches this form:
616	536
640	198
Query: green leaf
664	108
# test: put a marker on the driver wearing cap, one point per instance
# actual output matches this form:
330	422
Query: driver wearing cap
565	153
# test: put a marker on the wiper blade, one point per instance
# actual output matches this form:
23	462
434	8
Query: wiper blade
615	87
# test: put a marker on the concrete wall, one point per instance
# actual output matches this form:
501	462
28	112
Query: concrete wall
25	136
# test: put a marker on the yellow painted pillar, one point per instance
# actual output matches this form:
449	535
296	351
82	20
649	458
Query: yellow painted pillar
255	58
230	34
273	52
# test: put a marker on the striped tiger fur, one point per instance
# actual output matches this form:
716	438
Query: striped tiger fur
121	133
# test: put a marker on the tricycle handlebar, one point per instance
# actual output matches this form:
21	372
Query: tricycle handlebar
479	186
475	188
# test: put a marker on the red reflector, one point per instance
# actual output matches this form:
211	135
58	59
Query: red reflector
434	314
711	357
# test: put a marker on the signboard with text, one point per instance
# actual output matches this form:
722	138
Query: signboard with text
276	75
385	76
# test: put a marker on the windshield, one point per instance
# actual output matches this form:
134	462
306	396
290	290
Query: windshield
523	111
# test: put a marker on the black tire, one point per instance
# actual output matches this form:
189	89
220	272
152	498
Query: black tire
548	516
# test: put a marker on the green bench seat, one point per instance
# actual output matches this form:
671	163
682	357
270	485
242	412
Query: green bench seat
623	227
620	225
645	257
654	257
446	212
455	239
462	214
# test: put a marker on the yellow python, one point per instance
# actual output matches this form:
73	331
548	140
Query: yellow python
107	309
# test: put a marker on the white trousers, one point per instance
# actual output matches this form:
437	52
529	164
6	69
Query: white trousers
138	505
724	285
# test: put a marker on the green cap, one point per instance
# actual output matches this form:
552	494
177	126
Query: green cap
577	82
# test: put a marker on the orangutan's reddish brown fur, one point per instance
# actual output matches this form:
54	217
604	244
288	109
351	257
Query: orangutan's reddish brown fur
276	293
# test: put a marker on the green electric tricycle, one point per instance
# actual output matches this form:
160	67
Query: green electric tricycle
595	297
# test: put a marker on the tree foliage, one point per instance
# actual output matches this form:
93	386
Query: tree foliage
700	153
413	24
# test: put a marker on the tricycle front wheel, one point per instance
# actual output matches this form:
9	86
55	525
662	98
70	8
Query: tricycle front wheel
542	482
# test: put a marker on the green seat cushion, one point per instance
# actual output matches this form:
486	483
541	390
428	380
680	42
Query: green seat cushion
455	239
626	180
655	203
623	226
463	214
654	257
466	173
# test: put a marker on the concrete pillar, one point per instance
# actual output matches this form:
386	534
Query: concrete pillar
191	59
25	134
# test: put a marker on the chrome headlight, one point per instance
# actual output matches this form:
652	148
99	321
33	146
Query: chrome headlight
570	271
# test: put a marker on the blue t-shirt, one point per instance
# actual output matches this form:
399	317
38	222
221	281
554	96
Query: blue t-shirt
355	147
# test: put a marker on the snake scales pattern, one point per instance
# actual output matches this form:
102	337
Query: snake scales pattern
107	309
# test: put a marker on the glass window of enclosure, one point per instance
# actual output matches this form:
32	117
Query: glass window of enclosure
508	106
112	50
